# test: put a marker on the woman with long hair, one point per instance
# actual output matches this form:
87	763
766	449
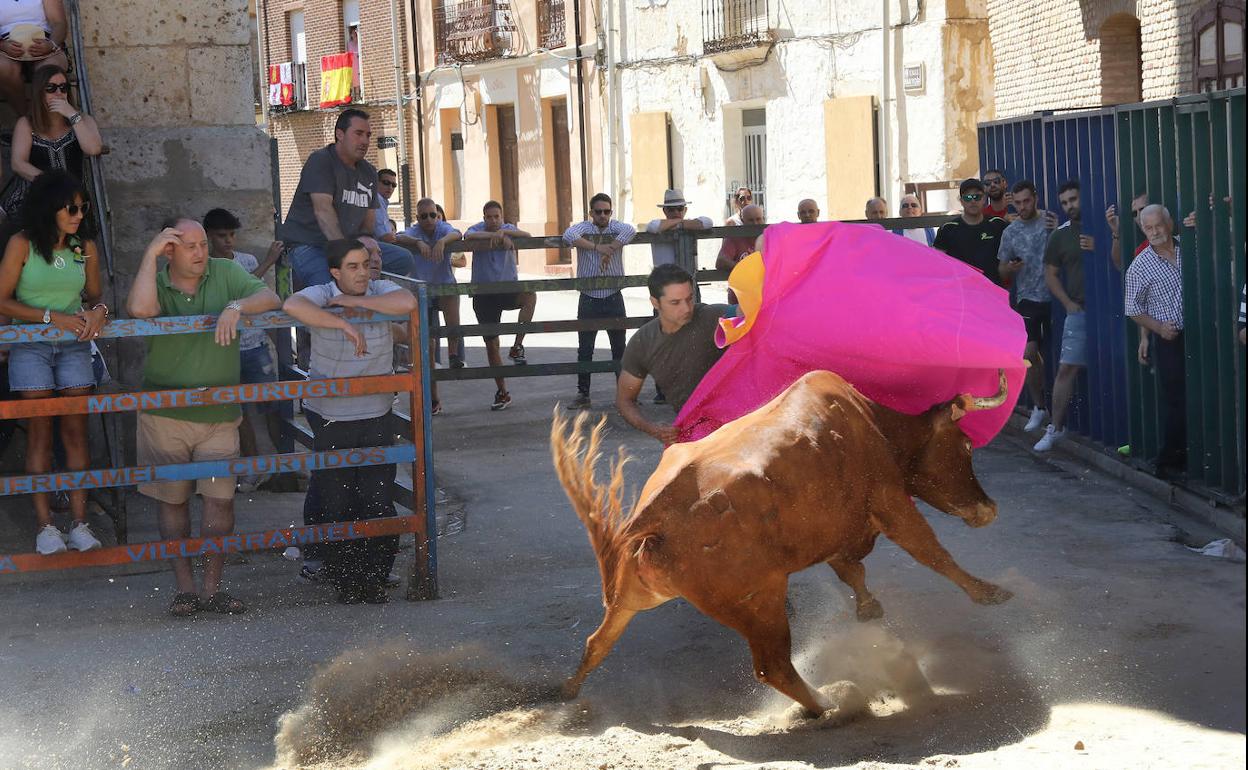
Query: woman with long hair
50	274
53	136
31	32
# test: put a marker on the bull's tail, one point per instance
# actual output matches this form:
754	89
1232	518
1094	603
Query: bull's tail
600	507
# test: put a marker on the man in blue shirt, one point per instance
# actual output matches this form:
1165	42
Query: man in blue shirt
495	265
427	240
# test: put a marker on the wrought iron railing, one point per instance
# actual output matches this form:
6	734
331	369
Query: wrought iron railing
729	24
551	24
473	30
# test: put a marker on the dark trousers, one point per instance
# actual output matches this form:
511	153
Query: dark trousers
592	307
1171	371
352	494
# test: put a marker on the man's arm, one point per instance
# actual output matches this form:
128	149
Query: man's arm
397	301
627	388
309	313
942	237
326	216
1053	280
1007	265
368	225
143	301
270	259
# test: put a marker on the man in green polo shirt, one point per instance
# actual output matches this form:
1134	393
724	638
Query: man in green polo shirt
192	283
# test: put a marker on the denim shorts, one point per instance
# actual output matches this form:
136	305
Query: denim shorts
50	366
1075	340
256	367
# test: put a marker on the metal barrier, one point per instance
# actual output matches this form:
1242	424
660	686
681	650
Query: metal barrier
420	523
1185	153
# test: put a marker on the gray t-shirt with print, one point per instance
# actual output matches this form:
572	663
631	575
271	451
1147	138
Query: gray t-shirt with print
1026	240
333	356
353	190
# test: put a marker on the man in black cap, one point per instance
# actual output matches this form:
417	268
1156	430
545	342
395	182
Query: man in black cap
972	237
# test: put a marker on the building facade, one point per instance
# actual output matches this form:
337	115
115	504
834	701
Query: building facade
789	100
1081	54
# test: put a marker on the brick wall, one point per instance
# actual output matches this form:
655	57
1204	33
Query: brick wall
1049	55
301	132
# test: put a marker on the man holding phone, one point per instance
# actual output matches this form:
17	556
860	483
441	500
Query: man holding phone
1021	260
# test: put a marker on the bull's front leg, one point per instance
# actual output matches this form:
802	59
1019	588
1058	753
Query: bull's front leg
597	646
854	575
902	523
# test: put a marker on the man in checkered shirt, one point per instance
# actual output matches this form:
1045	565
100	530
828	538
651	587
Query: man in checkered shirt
1154	300
595	259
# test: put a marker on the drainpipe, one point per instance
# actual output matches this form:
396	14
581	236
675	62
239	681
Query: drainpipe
401	109
885	120
580	106
414	35
610	32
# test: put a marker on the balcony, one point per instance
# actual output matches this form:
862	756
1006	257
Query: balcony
473	30
729	25
551	24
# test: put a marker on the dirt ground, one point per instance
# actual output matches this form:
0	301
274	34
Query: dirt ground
1120	649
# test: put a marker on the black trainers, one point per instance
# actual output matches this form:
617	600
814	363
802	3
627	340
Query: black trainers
501	401
457	362
580	402
516	354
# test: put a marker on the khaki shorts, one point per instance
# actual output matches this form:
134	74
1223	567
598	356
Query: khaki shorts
165	441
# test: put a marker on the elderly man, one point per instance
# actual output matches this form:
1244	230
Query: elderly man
193	284
807	211
877	208
1154	300
911	207
337	198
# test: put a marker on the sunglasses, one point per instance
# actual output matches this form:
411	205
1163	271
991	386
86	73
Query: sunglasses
428	215
602	211
994	180
972	196
52	88
73	209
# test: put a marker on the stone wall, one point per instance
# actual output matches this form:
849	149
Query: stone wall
1066	54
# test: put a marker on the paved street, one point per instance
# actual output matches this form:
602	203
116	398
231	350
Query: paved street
1119	639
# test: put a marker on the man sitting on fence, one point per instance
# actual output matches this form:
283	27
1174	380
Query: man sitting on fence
595	259
193	284
677	349
357	568
496	265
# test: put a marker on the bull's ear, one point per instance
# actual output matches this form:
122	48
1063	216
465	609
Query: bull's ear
959	407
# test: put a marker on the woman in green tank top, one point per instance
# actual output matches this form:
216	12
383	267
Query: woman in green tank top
50	275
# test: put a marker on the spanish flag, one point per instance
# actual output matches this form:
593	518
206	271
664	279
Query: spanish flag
337	73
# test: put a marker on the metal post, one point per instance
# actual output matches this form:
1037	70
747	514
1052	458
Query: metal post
687	257
422	581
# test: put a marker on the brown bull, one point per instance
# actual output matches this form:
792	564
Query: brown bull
813	476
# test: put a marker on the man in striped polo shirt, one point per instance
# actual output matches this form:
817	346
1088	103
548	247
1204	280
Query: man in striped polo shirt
1154	300
595	259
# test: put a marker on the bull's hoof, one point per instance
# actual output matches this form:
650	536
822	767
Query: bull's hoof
993	594
870	610
569	690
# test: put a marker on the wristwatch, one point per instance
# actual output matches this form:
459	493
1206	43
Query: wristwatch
235	305
47	315
75	119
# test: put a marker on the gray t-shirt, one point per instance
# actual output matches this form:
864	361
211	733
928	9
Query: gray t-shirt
665	253
333	356
1026	240
678	361
354	191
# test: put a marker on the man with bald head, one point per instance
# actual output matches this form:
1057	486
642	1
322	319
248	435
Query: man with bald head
192	283
1154	300
877	208
807	211
911	207
733	250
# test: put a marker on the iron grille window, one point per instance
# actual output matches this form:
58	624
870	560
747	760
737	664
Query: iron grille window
473	30
550	23
1218	46
729	24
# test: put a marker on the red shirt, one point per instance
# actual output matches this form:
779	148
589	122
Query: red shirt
1140	249
992	211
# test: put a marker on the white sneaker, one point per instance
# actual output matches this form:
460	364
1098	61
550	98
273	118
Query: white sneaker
50	540
81	539
1050	438
1037	419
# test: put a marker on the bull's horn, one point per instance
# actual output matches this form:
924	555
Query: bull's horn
994	401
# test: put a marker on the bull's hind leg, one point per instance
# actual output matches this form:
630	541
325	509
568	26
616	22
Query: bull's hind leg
597	646
761	619
901	522
854	575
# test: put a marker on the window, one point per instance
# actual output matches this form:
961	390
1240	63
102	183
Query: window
353	44
299	59
1218	46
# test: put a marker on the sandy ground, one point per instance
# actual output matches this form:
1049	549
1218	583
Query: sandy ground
1121	648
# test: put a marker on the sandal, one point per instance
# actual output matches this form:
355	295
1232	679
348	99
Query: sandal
223	603
184	604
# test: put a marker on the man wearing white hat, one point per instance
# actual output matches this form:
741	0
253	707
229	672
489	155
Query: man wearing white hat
674	206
